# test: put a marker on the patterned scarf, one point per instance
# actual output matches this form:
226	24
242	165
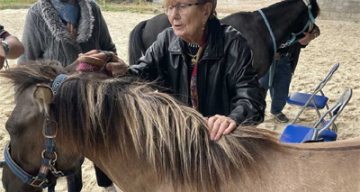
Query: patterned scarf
193	81
195	61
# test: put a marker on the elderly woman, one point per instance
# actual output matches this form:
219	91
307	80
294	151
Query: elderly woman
61	30
10	46
205	65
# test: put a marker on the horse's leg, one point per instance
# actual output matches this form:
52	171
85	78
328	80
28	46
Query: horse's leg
74	181
51	188
104	181
52	184
101	178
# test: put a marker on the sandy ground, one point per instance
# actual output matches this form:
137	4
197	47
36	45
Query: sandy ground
339	42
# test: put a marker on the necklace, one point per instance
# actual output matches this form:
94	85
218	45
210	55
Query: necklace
192	51
193	45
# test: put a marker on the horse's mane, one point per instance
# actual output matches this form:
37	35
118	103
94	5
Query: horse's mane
122	114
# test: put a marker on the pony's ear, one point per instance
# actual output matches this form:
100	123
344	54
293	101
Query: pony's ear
43	96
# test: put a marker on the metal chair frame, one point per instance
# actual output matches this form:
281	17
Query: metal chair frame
320	128
310	103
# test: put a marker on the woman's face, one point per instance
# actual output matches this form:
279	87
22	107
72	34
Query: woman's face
188	19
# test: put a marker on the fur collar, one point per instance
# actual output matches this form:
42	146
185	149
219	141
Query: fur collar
58	29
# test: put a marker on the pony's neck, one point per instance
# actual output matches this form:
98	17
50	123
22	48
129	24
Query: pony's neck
133	173
129	173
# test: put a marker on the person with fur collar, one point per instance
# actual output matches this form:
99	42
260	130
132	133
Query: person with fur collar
62	30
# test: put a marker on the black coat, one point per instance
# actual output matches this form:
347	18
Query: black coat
227	84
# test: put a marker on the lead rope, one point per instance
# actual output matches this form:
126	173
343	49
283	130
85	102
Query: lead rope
273	63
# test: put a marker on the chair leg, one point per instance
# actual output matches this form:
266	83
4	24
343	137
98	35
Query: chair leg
318	112
298	115
334	128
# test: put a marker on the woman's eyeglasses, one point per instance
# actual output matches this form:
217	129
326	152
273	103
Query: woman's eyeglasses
180	7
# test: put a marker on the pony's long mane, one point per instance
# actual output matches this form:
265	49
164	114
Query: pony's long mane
107	114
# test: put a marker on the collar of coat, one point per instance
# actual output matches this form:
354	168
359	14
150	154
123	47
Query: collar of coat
214	45
58	29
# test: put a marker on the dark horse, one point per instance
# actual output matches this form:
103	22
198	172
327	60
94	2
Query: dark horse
145	141
286	20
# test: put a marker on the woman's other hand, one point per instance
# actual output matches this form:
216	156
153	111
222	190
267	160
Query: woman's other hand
118	68
309	36
220	125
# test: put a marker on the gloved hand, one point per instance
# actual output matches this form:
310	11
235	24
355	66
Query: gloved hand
96	60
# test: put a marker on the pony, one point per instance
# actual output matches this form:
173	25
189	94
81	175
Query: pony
266	29
144	140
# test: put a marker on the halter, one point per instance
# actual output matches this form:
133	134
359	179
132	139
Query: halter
310	24
48	155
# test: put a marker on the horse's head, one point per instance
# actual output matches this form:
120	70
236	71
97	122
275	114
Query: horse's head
304	22
37	152
289	19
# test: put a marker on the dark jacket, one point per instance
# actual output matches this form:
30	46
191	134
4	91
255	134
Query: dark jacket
46	37
226	82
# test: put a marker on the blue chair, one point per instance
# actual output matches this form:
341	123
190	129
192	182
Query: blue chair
320	131
301	134
315	100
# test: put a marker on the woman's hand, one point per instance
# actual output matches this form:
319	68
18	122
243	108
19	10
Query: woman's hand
118	68
220	125
309	36
97	60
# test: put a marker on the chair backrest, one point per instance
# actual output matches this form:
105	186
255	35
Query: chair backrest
322	124
313	100
323	82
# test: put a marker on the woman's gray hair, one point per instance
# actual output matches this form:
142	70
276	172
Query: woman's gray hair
214	3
